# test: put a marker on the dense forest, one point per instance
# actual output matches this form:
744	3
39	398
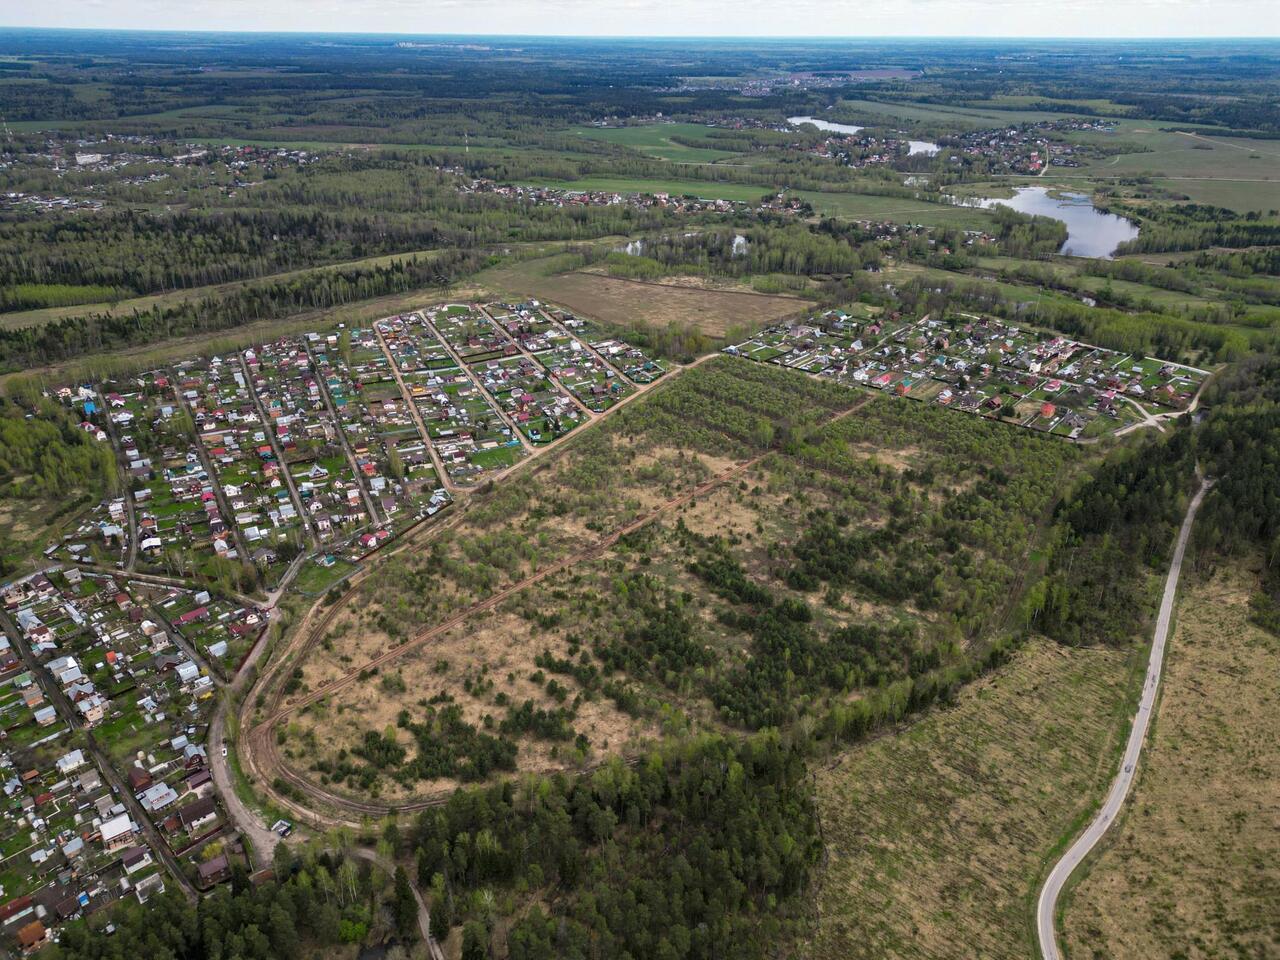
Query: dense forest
75	336
316	901
44	454
699	851
1116	530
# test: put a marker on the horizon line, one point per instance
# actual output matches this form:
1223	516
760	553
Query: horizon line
1196	38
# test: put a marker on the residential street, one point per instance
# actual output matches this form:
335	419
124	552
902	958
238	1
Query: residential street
109	771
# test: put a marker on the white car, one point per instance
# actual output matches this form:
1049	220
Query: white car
224	749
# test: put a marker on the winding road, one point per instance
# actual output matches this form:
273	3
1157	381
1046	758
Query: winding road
1047	905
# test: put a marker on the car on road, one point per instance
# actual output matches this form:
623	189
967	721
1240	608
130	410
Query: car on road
224	749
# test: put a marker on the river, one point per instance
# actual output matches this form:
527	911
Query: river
1090	232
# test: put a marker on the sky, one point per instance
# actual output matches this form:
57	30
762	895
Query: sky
765	18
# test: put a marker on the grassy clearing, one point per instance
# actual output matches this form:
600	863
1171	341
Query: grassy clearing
1070	269
27	526
966	117
1239	195
1193	870
937	836
905	271
654	140
1011	102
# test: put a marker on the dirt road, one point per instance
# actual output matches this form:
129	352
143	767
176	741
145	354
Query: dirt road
1047	905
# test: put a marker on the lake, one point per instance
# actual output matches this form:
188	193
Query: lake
1090	232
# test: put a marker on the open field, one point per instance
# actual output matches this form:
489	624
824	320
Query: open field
627	303
936	836
1238	195
902	271
1192	871
654	140
1177	154
961	117
1014	102
1070	268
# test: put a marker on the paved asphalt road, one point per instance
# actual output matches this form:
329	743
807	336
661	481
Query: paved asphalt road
1048	903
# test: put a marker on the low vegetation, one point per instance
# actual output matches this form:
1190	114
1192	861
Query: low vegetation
938	834
859	563
1191	869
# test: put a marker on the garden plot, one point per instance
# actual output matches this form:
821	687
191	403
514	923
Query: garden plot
1041	381
379	429
168	482
578	369
63	844
238	446
102	533
470	333
826	343
412	344
469	435
308	437
65	839
524	324
634	363
222	630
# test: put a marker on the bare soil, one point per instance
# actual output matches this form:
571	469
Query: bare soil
617	301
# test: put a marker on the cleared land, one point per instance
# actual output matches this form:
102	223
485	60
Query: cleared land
629	303
1175	154
721	611
1239	174
936	836
1239	195
1193	870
